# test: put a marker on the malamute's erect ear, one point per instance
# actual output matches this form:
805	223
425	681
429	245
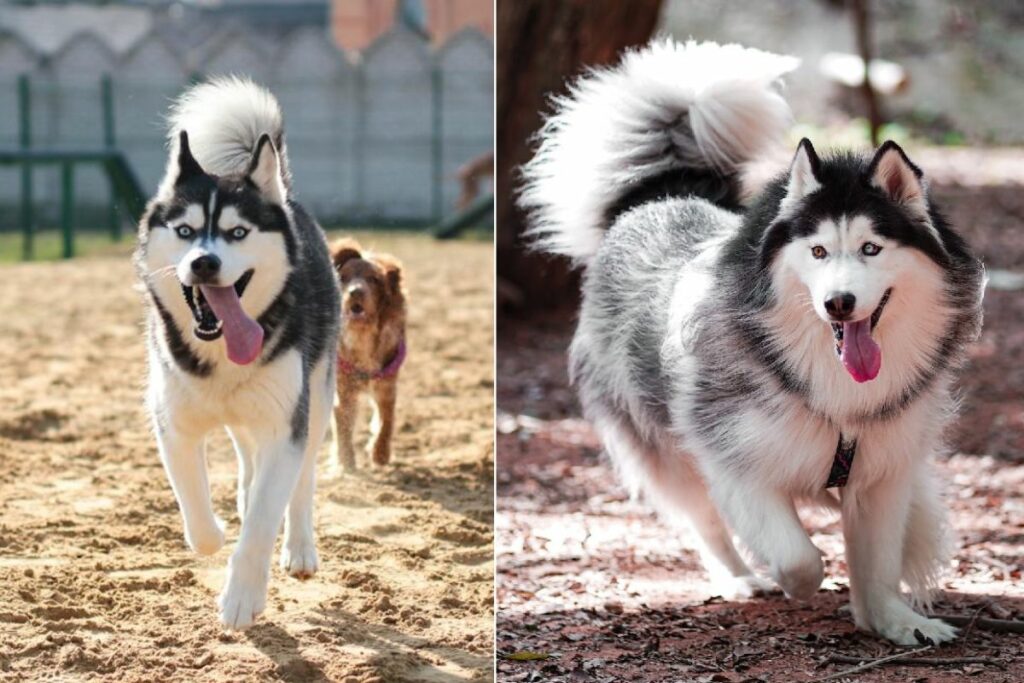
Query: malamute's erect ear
898	178
803	176
188	167
265	171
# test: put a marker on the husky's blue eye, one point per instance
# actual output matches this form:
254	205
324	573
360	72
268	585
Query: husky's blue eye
239	233
870	249
818	252
184	232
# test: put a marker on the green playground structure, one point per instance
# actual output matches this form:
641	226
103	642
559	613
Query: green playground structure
125	190
473	215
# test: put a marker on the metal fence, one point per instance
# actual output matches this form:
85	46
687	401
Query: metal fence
374	140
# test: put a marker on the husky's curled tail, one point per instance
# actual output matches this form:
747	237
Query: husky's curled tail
670	118
225	117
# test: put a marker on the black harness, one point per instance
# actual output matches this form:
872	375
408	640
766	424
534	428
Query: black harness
841	463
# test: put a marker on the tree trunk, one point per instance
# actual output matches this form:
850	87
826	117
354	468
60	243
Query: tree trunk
541	45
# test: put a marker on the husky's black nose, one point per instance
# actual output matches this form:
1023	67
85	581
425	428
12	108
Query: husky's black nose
206	266
840	304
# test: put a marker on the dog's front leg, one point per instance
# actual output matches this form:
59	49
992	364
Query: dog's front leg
183	457
384	395
346	404
875	520
245	591
766	521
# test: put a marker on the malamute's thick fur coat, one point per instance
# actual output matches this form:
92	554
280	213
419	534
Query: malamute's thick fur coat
242	322
724	351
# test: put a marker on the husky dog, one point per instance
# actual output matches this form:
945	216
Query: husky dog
242	322
735	359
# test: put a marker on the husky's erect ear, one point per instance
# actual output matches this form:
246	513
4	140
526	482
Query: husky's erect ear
898	178
343	251
265	171
188	167
803	175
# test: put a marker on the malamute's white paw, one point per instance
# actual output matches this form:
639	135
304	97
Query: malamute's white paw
742	587
206	540
300	559
902	625
243	599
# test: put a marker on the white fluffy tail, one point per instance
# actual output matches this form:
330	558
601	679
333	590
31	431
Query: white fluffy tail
667	106
224	118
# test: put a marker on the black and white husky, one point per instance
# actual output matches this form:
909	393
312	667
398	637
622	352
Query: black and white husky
738	359
242	323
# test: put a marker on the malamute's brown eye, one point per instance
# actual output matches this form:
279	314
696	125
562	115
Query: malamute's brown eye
870	249
818	252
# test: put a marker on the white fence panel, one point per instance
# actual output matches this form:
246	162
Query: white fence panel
466	64
396	154
317	90
144	84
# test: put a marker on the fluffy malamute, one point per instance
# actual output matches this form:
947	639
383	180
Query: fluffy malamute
739	358
242	316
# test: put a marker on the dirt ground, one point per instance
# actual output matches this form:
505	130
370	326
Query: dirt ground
96	582
592	587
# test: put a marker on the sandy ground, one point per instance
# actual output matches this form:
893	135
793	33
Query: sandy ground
96	582
592	587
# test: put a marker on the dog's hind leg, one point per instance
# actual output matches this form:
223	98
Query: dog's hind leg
676	489
298	553
245	449
184	458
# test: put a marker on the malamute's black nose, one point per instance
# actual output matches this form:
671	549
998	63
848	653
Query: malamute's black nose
840	305
206	266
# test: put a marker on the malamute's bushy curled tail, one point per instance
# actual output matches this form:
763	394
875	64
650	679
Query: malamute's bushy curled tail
667	106
224	118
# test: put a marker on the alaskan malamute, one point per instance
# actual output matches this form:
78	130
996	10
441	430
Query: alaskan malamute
738	358
242	323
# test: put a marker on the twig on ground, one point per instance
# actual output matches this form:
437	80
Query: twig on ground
970	626
919	661
994	625
865	665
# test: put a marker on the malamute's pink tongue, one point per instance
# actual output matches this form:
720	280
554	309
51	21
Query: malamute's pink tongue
243	335
861	356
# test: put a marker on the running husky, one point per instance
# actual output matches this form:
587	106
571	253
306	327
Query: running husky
242	322
735	360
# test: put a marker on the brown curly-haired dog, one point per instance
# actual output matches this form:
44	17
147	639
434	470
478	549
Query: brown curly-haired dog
371	348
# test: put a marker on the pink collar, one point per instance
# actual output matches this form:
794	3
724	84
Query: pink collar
387	372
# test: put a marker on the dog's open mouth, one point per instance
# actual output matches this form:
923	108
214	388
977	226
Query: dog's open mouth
356	311
218	311
857	350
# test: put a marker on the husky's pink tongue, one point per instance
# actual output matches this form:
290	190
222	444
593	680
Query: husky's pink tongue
243	335
861	356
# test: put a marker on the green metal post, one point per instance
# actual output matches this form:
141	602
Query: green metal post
28	218
67	206
359	140
107	98
436	148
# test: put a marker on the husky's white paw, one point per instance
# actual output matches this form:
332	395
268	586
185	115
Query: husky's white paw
802	577
742	587
206	539
300	559
243	599
902	625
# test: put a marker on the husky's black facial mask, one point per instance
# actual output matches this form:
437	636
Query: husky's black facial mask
228	242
